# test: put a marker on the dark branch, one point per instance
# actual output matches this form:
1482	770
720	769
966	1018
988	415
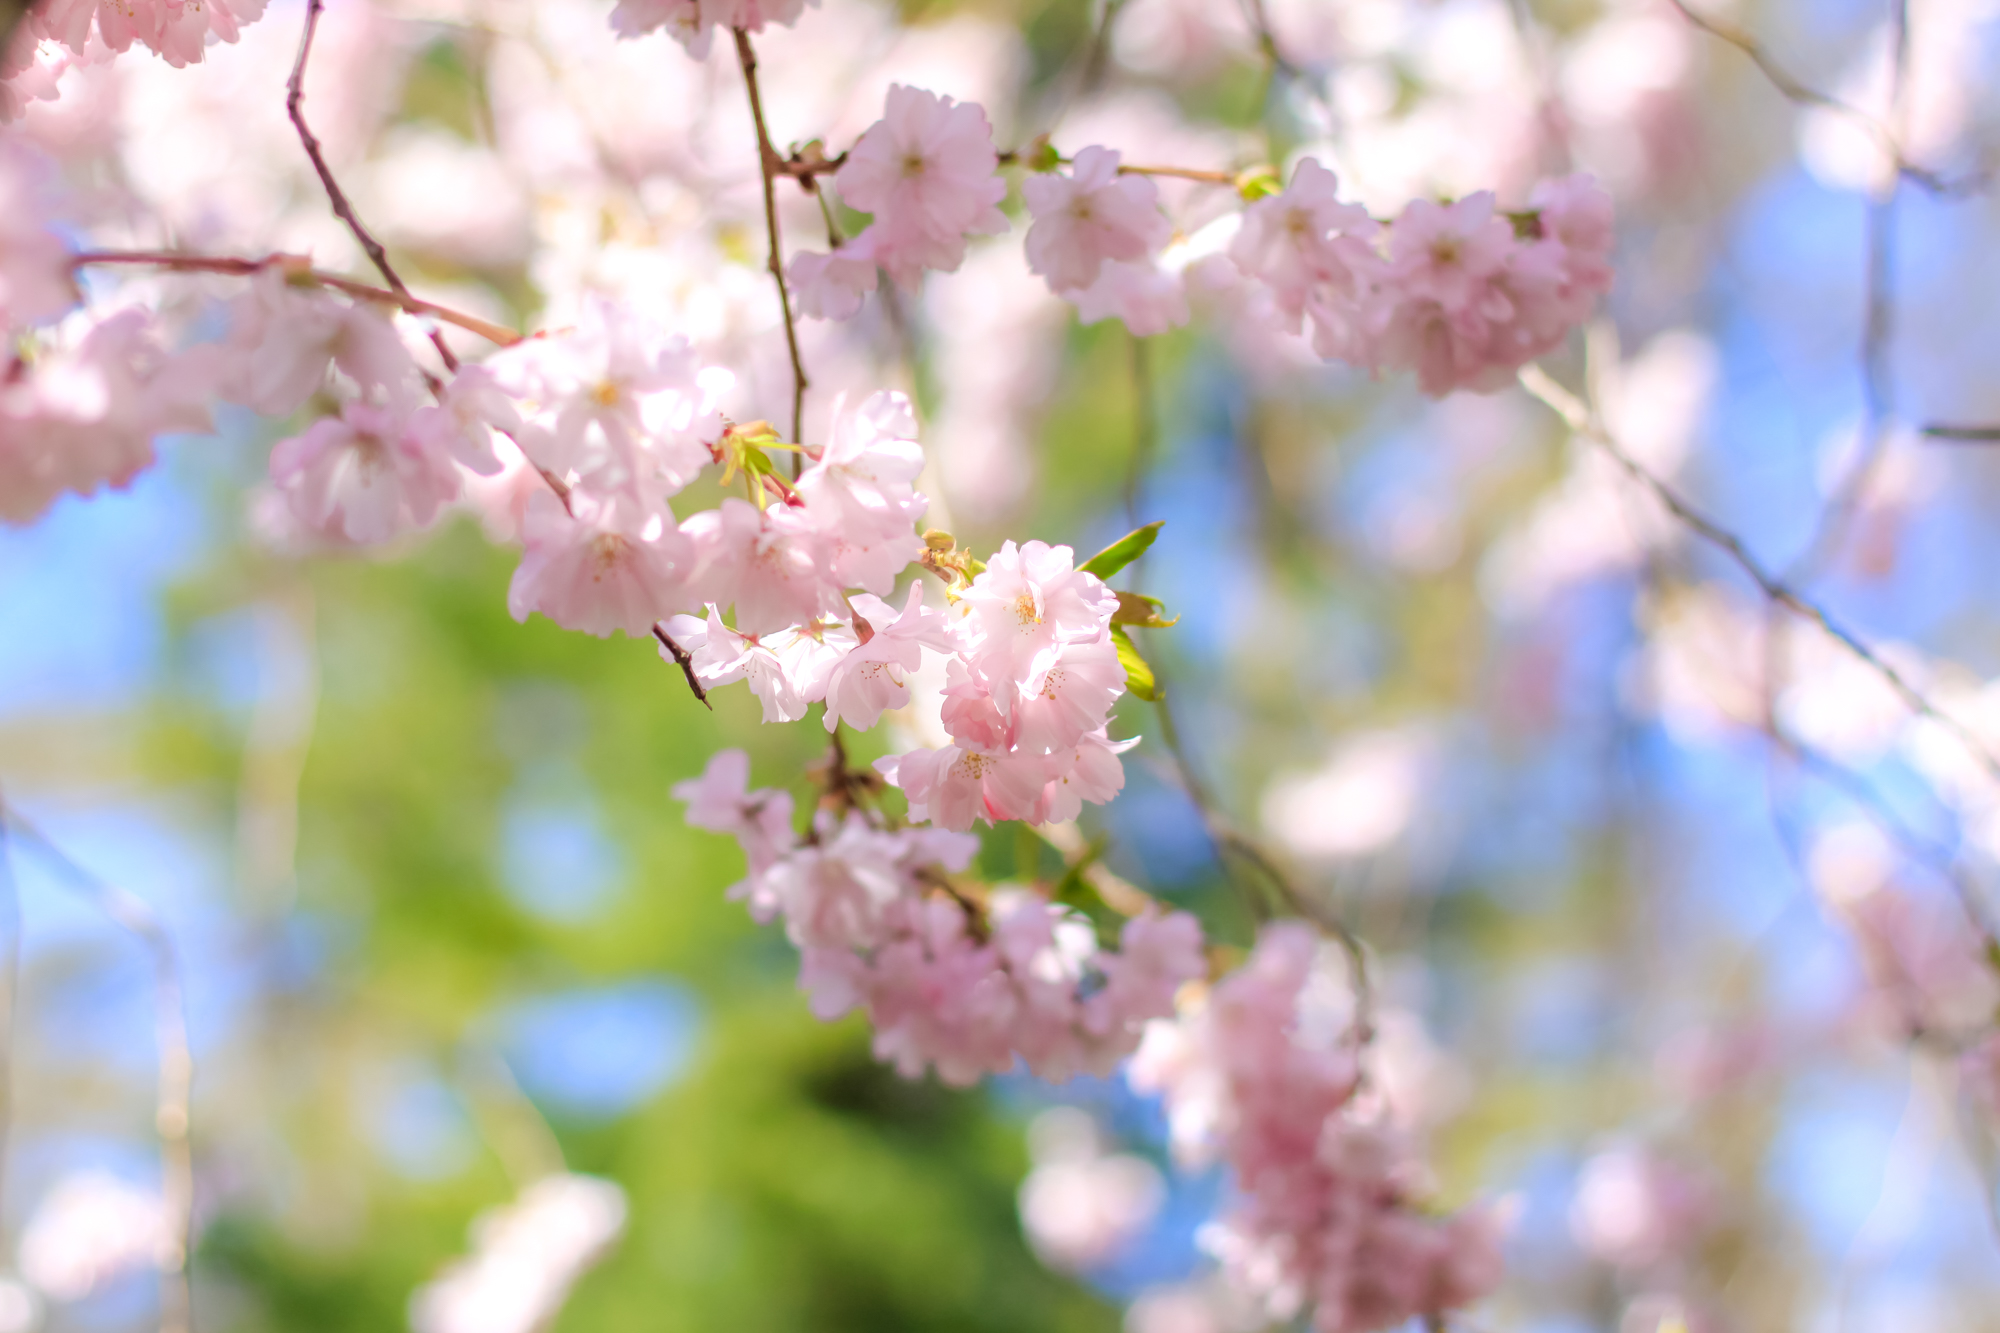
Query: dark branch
772	166
1963	434
681	657
295	98
1580	420
1792	90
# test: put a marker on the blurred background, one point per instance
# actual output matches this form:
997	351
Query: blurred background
1697	1001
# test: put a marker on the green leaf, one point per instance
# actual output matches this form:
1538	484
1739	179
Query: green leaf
1138	675
1123	551
1259	182
1139	609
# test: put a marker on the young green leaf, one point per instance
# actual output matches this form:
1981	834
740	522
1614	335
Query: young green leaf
1138	675
1123	551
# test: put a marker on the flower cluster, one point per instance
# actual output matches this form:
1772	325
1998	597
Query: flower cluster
1459	293
88	31
692	23
929	175
946	984
1026	698
1326	1216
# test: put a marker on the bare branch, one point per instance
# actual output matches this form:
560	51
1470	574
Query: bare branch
772	166
10	981
1584	424
680	656
171	1111
499	334
295	97
1792	90
1963	434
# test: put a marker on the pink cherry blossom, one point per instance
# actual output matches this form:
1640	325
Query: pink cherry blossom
928	171
693	23
770	564
1315	255
1077	691
1087	771
833	285
1089	217
1326	1218
720	801
787	669
284	332
176	30
1022	609
364	476
954	786
609	565
615	403
874	677
1146	298
34	262
84	417
860	495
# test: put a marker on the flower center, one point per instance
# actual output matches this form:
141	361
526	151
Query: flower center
1025	610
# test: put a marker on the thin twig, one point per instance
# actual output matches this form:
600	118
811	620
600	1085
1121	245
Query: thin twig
295	265
1180	173
686	662
295	98
1963	434
1792	90
1878	404
10	983
771	166
1584	424
171	1110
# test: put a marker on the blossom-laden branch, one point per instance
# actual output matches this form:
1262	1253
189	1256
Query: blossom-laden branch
770	167
298	268
1584	423
1802	94
295	98
171	1111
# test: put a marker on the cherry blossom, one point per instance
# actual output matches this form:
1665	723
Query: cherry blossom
34	262
1326	1220
928	172
86	416
874	677
614	403
285	331
176	30
832	286
599	565
1028	603
364	476
693	23
1090	216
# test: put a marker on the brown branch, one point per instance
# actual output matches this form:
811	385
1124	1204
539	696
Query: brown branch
295	98
1792	90
680	655
1585	425
772	166
1180	173
1963	434
10	983
176	1076
498	334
